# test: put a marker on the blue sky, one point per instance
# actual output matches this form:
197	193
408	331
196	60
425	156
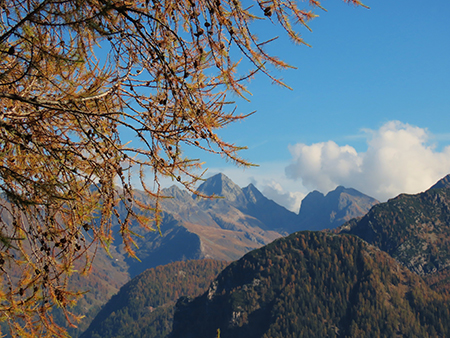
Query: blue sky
369	109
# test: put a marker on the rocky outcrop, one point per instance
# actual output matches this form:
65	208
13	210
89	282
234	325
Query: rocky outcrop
414	229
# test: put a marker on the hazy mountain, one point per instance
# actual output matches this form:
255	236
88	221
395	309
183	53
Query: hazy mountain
267	211
318	211
248	206
175	243
184	207
221	186
234	220
314	284
224	228
225	232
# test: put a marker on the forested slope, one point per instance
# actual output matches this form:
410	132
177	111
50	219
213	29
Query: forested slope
313	284
144	306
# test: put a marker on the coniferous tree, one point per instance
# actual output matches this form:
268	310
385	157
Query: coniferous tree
78	80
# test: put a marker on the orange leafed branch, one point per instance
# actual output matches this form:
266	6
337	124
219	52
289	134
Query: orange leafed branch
79	80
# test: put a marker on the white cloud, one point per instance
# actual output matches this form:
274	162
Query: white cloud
398	159
321	165
290	200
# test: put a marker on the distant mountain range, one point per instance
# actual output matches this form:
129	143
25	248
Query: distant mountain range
236	220
224	227
314	284
391	278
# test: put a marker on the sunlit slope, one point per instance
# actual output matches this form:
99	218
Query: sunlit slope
314	284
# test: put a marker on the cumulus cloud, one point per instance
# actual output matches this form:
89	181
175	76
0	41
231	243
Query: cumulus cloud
290	200
399	159
321	165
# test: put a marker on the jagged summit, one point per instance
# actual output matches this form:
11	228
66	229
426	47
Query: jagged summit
252	193
220	185
319	211
246	207
175	192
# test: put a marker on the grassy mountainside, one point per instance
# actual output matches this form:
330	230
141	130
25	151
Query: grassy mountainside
144	306
313	284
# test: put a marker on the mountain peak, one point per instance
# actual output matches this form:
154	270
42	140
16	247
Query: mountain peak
442	183
343	190
319	211
252	193
340	188
175	192
220	185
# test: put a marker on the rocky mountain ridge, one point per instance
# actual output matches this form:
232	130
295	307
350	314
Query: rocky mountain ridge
414	229
317	284
236	220
319	211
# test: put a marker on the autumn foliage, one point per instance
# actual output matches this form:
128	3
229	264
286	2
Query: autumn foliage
93	92
314	284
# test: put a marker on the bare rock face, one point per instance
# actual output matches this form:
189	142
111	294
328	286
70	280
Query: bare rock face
236	220
221	186
230	223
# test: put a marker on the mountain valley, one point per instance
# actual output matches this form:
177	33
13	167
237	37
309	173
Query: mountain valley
382	274
224	227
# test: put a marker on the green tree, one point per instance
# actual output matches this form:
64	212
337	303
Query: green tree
75	75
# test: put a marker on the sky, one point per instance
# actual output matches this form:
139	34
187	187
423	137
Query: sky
369	107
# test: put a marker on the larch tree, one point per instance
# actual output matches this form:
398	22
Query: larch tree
75	76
